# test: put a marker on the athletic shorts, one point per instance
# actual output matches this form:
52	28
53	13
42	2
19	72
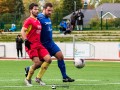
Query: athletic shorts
52	48
37	50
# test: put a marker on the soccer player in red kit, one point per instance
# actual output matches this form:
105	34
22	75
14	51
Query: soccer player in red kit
31	31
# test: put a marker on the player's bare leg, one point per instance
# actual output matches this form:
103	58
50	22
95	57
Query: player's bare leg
30	71
43	68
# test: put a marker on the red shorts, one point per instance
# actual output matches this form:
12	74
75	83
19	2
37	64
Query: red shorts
37	50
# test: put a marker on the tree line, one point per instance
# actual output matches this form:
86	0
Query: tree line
61	7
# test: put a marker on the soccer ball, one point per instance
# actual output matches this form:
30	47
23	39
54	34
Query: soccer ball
79	63
53	86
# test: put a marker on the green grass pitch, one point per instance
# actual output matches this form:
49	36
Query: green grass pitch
94	76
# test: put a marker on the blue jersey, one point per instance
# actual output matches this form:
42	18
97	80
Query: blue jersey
46	32
46	35
63	24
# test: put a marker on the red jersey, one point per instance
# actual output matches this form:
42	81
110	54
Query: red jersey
33	29
33	35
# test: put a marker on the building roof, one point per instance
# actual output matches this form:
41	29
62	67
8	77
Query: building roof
88	14
113	8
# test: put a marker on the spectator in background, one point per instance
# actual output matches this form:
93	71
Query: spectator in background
68	28
63	26
73	20
80	17
19	42
13	28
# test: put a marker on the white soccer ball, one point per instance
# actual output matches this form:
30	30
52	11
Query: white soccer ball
79	63
53	86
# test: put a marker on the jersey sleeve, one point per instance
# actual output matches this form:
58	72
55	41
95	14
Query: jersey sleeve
26	23
40	17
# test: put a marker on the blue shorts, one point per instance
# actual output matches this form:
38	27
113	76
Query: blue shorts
52	48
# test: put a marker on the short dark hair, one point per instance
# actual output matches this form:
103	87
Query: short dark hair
18	35
47	5
32	5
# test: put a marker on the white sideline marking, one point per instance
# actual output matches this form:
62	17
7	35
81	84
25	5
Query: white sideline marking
96	84
59	85
12	80
88	80
62	85
9	80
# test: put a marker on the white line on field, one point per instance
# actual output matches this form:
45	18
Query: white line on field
12	80
60	85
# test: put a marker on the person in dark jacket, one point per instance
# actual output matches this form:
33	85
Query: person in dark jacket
73	20
19	42
80	17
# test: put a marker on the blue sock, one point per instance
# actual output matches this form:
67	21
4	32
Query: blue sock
62	68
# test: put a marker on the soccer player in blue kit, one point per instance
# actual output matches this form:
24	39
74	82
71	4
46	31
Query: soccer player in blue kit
47	41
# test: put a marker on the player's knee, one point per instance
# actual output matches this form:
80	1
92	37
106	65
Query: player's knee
60	57
49	60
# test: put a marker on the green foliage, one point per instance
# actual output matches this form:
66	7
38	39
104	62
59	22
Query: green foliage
57	16
117	22
63	39
68	6
5	17
106	23
117	1
9	18
11	6
95	23
7	38
110	1
11	11
7	6
63	8
19	7
91	35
